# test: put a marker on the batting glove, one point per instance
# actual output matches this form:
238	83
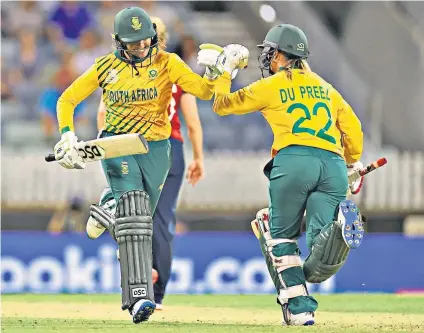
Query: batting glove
66	153
219	60
356	185
208	56
237	57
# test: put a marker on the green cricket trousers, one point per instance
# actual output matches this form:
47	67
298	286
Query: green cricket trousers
143	172
302	178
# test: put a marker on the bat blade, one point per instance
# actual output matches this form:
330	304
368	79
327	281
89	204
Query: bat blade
110	147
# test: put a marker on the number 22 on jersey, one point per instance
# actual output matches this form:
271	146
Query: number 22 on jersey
320	109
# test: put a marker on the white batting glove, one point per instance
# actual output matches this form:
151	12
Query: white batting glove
209	57
219	60
234	57
66	153
355	186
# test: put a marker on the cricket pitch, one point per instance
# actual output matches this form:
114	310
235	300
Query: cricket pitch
209	313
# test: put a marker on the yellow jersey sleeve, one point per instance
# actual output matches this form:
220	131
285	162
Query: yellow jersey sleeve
190	82
245	100
79	90
351	130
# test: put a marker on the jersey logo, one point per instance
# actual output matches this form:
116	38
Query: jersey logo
124	168
153	74
301	47
136	24
112	76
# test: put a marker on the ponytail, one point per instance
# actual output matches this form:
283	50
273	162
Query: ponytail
295	63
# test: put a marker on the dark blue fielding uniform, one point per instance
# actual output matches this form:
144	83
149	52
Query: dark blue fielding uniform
164	219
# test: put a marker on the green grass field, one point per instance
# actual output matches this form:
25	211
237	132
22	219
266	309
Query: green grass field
209	313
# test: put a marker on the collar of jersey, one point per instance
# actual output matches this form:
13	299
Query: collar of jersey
118	55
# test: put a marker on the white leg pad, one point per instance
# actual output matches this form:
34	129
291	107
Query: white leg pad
260	227
286	262
291	292
272	242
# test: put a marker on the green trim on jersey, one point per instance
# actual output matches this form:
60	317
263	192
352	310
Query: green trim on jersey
65	129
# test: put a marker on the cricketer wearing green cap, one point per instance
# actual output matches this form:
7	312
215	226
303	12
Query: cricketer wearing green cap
136	82
316	133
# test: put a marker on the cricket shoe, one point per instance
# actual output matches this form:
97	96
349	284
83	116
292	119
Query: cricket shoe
300	319
101	218
349	220
94	229
142	310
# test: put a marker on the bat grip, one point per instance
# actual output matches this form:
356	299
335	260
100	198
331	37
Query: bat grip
50	158
354	177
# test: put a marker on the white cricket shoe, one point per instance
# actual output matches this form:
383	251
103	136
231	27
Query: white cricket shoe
142	310
300	319
105	210
94	229
101	218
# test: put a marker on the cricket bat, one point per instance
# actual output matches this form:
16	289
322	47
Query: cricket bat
110	147
369	168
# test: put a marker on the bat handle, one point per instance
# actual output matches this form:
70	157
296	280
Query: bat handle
50	158
354	177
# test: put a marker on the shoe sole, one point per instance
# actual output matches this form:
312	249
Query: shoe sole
144	312
352	228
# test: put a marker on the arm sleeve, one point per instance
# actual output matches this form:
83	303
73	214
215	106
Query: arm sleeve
75	94
190	82
350	128
245	100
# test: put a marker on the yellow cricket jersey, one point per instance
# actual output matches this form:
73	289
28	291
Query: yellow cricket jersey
305	110
134	103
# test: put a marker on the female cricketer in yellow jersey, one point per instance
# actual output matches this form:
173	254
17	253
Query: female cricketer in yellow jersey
315	134
137	82
164	218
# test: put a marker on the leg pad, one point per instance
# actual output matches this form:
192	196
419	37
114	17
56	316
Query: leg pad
328	255
133	231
